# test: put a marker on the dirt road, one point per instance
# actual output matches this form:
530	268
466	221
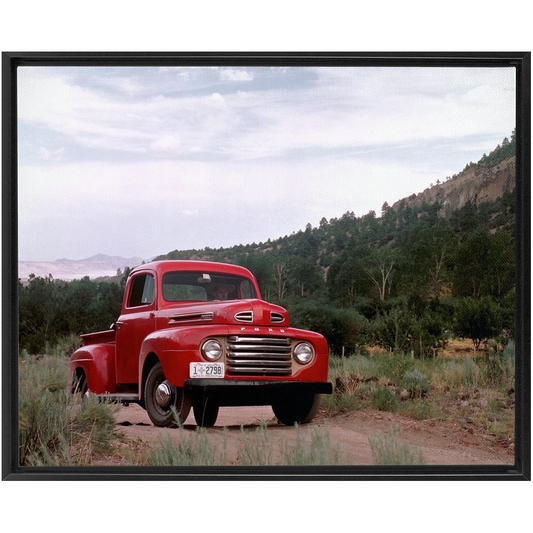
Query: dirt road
441	442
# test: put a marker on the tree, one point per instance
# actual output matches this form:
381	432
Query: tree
425	252
393	330
347	279
428	334
343	328
280	279
304	277
484	266
41	318
380	269
466	219
477	320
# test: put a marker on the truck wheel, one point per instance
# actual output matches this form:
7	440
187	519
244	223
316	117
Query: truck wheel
302	410
80	386
205	412
160	397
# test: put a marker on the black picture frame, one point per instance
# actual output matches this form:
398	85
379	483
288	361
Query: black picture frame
521	470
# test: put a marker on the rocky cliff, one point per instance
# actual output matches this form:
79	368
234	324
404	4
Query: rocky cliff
476	184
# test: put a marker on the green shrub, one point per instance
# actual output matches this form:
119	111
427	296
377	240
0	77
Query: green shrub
54	429
509	350
43	408
256	448
360	366
384	399
319	451
416	383
194	449
95	418
464	373
499	370
419	410
393	366
343	328
388	450
345	401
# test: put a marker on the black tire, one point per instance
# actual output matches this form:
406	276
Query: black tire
161	401
80	387
302	410
205	412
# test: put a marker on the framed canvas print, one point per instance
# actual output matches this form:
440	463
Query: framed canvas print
266	266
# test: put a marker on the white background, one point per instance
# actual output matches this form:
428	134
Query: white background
269	26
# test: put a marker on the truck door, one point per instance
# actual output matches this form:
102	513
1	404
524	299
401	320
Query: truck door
136	322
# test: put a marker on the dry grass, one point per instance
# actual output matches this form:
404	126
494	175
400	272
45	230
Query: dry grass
458	385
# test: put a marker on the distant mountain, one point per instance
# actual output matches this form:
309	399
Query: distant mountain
114	259
97	266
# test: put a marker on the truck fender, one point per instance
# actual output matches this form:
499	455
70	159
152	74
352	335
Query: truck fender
173	349
97	362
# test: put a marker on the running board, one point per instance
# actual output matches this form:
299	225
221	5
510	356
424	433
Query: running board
119	396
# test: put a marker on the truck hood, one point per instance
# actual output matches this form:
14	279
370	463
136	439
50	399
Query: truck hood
251	312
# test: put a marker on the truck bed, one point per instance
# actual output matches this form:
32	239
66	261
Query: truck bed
99	337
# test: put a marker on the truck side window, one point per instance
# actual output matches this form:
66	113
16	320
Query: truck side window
142	290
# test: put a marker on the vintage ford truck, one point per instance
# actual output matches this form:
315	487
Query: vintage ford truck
196	333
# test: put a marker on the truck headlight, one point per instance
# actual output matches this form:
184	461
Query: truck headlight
303	353
212	350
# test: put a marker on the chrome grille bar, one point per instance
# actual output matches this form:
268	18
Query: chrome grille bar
259	356
279	341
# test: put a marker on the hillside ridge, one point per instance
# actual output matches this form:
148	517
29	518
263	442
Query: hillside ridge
475	184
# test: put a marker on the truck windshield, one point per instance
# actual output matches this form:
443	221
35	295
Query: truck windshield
204	286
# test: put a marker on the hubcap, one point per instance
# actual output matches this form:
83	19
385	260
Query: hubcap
163	394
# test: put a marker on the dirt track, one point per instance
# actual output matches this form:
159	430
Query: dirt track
442	443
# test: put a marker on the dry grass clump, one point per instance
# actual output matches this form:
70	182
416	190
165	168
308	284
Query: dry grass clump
56	428
388	449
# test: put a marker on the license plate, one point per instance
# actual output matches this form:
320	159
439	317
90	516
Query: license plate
206	370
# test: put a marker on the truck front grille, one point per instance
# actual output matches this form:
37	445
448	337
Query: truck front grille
259	356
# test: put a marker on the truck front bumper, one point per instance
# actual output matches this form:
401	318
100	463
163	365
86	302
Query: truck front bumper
237	392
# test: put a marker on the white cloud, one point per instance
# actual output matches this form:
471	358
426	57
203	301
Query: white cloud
230	74
217	100
45	154
344	108
166	145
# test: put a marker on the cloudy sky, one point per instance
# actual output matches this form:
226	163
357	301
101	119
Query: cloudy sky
138	161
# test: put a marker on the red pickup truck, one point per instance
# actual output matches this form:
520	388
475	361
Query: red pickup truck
196	333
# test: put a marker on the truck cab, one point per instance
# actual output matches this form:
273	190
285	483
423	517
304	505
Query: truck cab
196	334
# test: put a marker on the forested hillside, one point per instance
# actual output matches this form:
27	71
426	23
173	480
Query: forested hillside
404	279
